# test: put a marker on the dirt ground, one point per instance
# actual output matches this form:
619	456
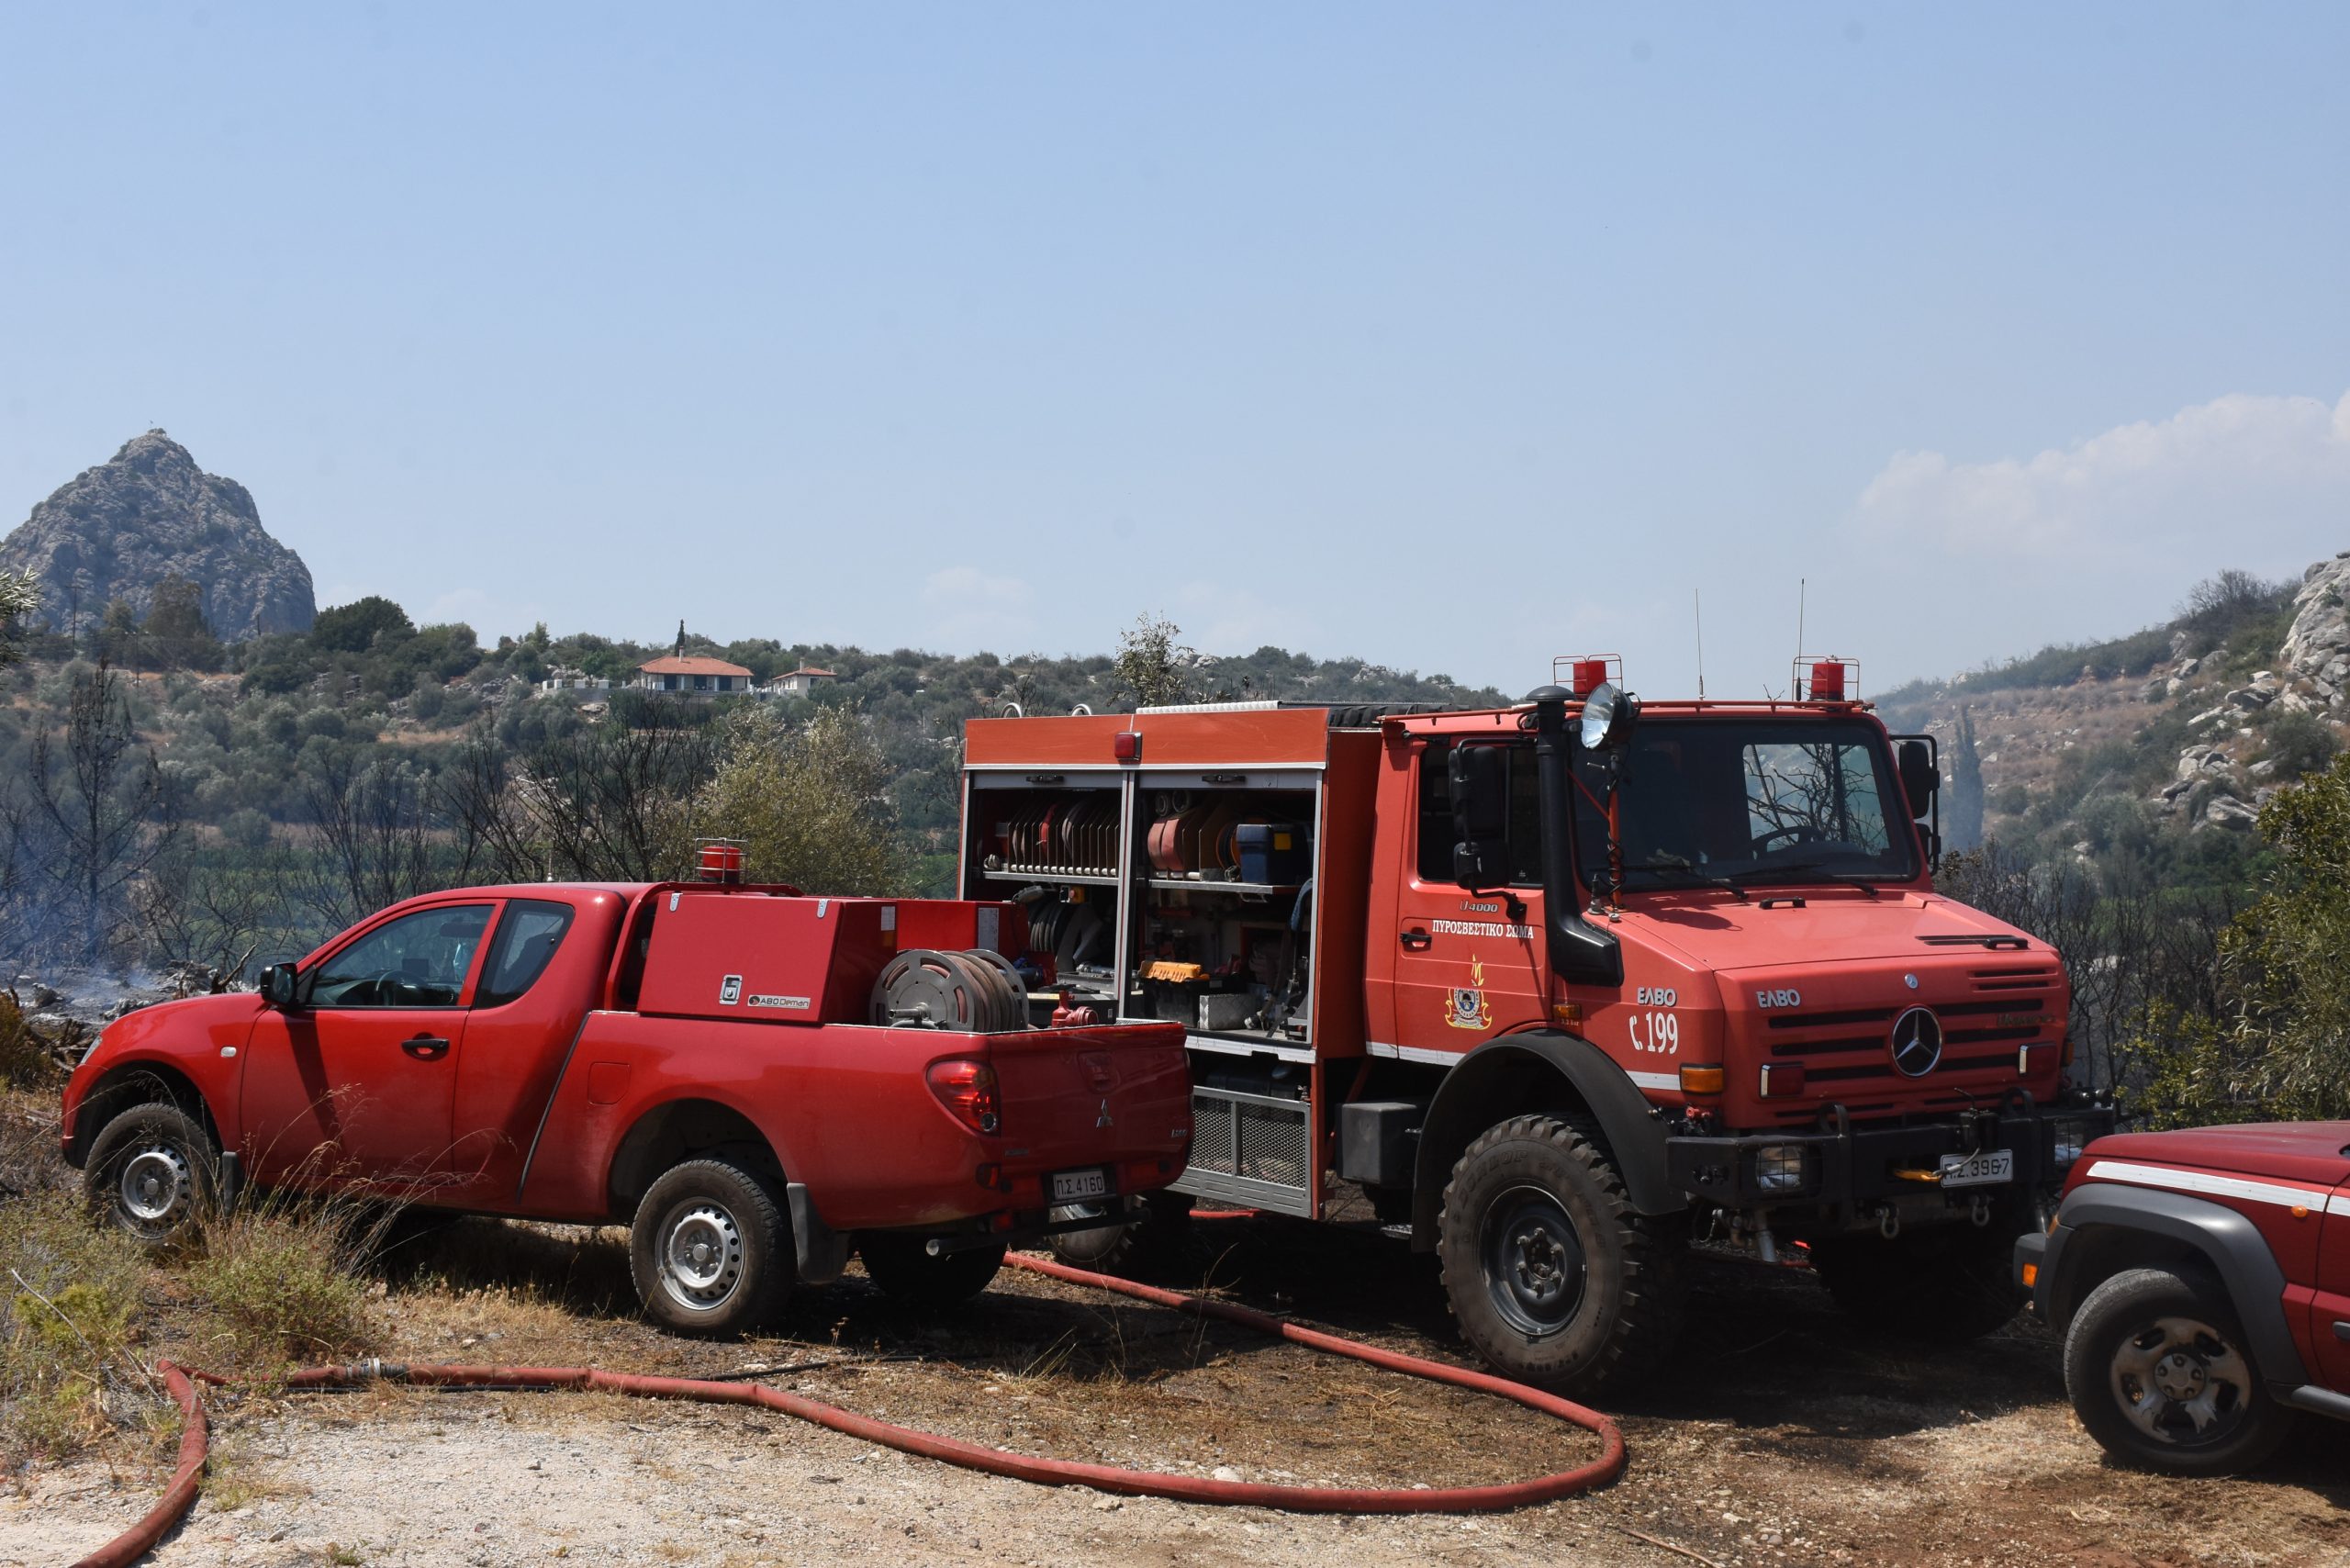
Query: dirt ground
1782	1436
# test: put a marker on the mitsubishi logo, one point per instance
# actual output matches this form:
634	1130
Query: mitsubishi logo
1917	1042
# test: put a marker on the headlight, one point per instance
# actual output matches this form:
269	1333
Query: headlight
2071	1138
1779	1168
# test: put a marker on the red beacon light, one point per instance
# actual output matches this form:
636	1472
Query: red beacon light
1830	679
720	861
1587	672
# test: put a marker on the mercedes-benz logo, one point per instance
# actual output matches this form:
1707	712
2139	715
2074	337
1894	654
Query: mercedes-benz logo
1917	1042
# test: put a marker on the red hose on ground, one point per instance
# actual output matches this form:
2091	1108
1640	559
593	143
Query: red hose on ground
1609	1463
195	1442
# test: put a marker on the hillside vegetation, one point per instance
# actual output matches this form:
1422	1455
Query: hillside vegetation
171	797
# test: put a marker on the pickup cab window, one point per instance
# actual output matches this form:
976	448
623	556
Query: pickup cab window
528	935
417	960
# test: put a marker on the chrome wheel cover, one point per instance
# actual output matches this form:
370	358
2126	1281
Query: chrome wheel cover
156	1188
2181	1383
701	1252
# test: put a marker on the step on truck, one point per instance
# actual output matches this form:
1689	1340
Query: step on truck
756	1082
1556	990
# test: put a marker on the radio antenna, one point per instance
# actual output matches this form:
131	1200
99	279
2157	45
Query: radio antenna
1802	584
1698	602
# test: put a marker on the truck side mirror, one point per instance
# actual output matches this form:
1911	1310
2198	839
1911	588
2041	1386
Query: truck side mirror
281	985
1920	780
1479	778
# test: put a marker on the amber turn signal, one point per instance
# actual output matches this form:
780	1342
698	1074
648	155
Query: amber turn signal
1695	1079
2031	1275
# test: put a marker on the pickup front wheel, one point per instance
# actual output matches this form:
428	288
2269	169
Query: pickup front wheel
710	1249
154	1171
2161	1374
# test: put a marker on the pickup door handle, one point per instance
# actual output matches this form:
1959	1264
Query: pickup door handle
426	1047
2341	1330
1417	940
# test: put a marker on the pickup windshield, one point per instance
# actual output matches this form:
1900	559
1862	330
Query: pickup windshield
1746	802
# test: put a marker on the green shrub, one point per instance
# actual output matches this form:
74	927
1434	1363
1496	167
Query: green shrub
2299	745
280	1283
73	1290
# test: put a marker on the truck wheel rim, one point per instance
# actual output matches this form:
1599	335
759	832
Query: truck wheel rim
1534	1261
701	1256
154	1186
2181	1383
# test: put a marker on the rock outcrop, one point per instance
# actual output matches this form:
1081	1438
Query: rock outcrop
2317	648
148	513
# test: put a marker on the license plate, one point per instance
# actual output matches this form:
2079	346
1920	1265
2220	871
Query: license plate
1073	1186
1987	1168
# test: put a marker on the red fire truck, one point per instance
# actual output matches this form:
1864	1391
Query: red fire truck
1556	990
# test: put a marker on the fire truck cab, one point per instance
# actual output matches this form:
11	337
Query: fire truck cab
1556	990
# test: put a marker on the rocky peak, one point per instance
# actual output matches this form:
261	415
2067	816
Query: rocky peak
2317	648
117	531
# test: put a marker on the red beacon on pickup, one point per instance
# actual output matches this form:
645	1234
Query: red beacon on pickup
757	1083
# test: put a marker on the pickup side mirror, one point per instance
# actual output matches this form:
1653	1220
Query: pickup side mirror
1479	778
1920	780
281	986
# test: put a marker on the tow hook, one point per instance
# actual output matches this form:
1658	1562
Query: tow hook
1981	1211
1888	1221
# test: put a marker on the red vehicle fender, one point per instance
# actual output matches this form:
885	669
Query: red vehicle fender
194	1048
639	1094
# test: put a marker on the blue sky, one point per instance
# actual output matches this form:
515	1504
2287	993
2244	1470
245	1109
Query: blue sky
1450	337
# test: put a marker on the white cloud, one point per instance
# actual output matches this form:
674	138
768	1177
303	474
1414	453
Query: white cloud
2217	469
2105	535
967	608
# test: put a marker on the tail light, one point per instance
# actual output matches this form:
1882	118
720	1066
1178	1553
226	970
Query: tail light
967	1089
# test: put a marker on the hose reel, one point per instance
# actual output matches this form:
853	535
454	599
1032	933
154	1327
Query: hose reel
976	993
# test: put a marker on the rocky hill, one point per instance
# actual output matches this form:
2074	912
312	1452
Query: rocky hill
117	531
2151	742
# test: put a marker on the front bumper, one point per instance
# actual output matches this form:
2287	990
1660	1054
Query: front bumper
1849	1172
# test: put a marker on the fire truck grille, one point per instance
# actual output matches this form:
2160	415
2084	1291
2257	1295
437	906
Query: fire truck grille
2007	1007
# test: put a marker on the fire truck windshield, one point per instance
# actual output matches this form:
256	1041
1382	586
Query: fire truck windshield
1739	801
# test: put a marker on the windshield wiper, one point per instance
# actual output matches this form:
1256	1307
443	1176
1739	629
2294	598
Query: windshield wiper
1694	877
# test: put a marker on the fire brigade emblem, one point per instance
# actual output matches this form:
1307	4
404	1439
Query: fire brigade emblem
1469	1010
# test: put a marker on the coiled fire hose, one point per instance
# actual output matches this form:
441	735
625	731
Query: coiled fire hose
137	1541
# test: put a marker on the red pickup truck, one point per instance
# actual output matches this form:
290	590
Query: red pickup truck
754	1082
2201	1281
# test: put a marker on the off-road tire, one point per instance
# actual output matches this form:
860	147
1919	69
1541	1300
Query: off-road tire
898	1264
1538	1190
153	1173
2124	1320
710	1249
1939	1285
1155	1237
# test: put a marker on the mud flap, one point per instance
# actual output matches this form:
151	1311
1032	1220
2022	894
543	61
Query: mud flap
819	1252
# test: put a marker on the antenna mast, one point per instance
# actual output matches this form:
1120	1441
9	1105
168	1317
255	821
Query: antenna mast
1802	584
1697	601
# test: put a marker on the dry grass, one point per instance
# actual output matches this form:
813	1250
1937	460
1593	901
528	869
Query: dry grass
280	1281
67	1370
